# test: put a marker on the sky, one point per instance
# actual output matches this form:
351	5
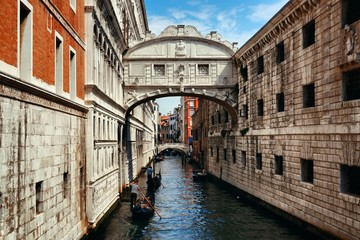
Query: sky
234	20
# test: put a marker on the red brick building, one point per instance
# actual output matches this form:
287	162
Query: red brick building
200	129
42	42
190	104
42	55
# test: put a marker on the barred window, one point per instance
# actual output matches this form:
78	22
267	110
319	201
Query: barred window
351	10
280	52
203	69
308	34
159	70
309	95
351	85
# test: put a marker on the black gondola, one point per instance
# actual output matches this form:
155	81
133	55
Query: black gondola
143	210
159	158
157	180
199	175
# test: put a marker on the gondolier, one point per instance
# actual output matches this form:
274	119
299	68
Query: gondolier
134	188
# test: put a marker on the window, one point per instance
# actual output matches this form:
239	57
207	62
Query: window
58	64
219	117
39	198
66	184
243	159
25	39
260	65
308	34
280	52
244	111
159	69
307	170
244	73
203	69
73	5
260	107
72	74
309	95
217	154
212	120
349	179
280	102
258	163
351	9
225	153
211	152
226	115
234	155
278	165
351	85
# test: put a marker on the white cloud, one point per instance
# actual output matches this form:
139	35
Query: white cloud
204	13
227	21
159	23
233	25
177	14
263	12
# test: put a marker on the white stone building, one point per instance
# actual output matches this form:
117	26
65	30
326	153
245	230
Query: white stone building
110	28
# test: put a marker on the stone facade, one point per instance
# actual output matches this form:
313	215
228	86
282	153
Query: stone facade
61	121
110	28
42	120
297	143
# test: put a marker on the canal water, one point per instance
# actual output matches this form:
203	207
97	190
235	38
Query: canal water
197	210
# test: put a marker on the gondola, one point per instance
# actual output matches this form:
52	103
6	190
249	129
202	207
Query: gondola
157	180
159	158
143	210
199	175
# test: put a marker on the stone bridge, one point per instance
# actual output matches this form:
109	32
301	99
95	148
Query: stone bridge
181	62
178	146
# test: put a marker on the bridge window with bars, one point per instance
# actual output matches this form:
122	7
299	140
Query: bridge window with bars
203	69
159	70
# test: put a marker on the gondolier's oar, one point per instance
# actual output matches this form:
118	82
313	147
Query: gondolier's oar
149	203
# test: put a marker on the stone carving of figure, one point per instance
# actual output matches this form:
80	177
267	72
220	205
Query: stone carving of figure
133	94
351	37
180	48
181	69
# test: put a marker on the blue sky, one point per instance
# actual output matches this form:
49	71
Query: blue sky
234	20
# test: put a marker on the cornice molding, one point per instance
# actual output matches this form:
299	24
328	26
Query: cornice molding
92	88
275	27
18	89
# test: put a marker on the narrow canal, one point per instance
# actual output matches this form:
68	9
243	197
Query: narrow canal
197	210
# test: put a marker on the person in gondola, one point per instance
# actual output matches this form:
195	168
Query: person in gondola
134	187
149	172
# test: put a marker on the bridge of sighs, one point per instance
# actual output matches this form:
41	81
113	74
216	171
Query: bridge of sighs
181	62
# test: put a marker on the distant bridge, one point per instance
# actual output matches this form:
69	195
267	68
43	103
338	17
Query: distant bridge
178	146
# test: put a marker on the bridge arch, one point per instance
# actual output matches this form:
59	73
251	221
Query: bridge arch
178	146
181	62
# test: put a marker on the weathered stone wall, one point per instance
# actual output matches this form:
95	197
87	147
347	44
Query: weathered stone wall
42	172
309	149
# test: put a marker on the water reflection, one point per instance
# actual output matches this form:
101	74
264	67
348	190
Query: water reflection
197	210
